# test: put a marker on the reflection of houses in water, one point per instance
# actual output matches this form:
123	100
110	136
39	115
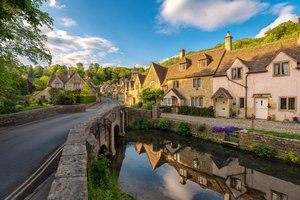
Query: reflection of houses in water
224	175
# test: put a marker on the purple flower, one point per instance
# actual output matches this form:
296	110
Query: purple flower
217	129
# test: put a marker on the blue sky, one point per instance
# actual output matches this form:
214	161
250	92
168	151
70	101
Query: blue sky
138	32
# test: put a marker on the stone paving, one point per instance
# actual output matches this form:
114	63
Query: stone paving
241	123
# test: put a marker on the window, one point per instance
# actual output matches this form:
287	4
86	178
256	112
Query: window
279	196
197	101
236	73
196	82
152	85
57	85
281	69
168	101
202	63
196	163
202	180
236	184
175	84
182	67
288	103
76	86
242	102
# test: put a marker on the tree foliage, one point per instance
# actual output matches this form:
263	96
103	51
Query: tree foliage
149	95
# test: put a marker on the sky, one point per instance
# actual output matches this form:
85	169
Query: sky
138	32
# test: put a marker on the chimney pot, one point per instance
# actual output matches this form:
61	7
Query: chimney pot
298	39
298	20
181	53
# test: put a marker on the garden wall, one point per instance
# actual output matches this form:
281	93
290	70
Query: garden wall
247	139
37	114
136	115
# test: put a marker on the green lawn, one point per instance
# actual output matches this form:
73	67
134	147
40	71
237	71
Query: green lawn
277	134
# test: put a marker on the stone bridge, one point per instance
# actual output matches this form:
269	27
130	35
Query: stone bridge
83	144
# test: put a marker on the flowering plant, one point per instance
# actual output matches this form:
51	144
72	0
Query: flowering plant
295	118
225	129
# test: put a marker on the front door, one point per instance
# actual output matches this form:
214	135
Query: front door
222	109
261	108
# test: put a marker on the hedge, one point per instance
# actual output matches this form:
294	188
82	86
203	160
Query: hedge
85	99
195	111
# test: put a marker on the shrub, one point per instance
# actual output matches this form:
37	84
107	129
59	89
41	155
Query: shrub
290	156
195	111
137	105
201	127
264	151
61	97
148	106
164	124
19	107
166	109
85	99
183	129
217	129
146	125
7	106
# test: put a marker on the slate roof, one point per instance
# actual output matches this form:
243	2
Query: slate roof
64	78
142	78
259	57
160	71
193	70
222	92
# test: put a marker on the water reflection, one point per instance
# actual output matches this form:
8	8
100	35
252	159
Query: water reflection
161	166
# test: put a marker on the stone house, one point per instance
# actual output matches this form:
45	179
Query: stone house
190	81
261	81
72	82
153	79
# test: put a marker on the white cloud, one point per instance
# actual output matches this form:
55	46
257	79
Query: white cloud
207	15
68	22
284	12
69	49
55	4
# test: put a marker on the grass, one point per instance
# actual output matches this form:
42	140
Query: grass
277	134
35	106
101	184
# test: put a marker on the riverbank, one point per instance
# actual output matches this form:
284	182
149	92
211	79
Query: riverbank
266	145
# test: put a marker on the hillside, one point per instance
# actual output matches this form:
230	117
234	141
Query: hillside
281	32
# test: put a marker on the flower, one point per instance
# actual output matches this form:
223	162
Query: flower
217	129
225	129
295	118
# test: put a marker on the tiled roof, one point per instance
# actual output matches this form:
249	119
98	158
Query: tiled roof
194	70
160	71
223	93
259	57
142	78
180	96
64	78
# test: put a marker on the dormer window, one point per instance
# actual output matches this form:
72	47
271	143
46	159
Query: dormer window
236	73
281	69
57	85
202	63
182	66
76	86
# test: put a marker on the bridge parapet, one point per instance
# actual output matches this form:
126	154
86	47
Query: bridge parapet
82	146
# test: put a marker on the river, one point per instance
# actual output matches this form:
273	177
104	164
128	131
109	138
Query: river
158	165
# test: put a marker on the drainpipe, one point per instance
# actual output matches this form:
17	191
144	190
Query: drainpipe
246	92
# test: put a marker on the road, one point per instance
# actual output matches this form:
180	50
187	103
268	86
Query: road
24	148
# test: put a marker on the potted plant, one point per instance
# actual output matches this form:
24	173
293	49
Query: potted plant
296	120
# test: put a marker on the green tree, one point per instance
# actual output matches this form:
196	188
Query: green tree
85	91
80	69
38	71
152	95
41	83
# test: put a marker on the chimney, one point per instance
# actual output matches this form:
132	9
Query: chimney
181	53
298	38
228	42
298	20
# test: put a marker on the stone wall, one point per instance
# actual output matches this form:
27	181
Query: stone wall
135	115
246	139
37	114
81	147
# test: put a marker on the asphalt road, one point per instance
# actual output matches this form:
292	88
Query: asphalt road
24	148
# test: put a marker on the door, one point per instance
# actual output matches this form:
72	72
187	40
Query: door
222	109
261	108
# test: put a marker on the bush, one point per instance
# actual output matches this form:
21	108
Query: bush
137	105
148	106
195	111
164	124
183	129
201	127
61	97
142	125
85	99
264	151
7	106
290	156
166	109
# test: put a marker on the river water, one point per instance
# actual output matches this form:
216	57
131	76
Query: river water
158	165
